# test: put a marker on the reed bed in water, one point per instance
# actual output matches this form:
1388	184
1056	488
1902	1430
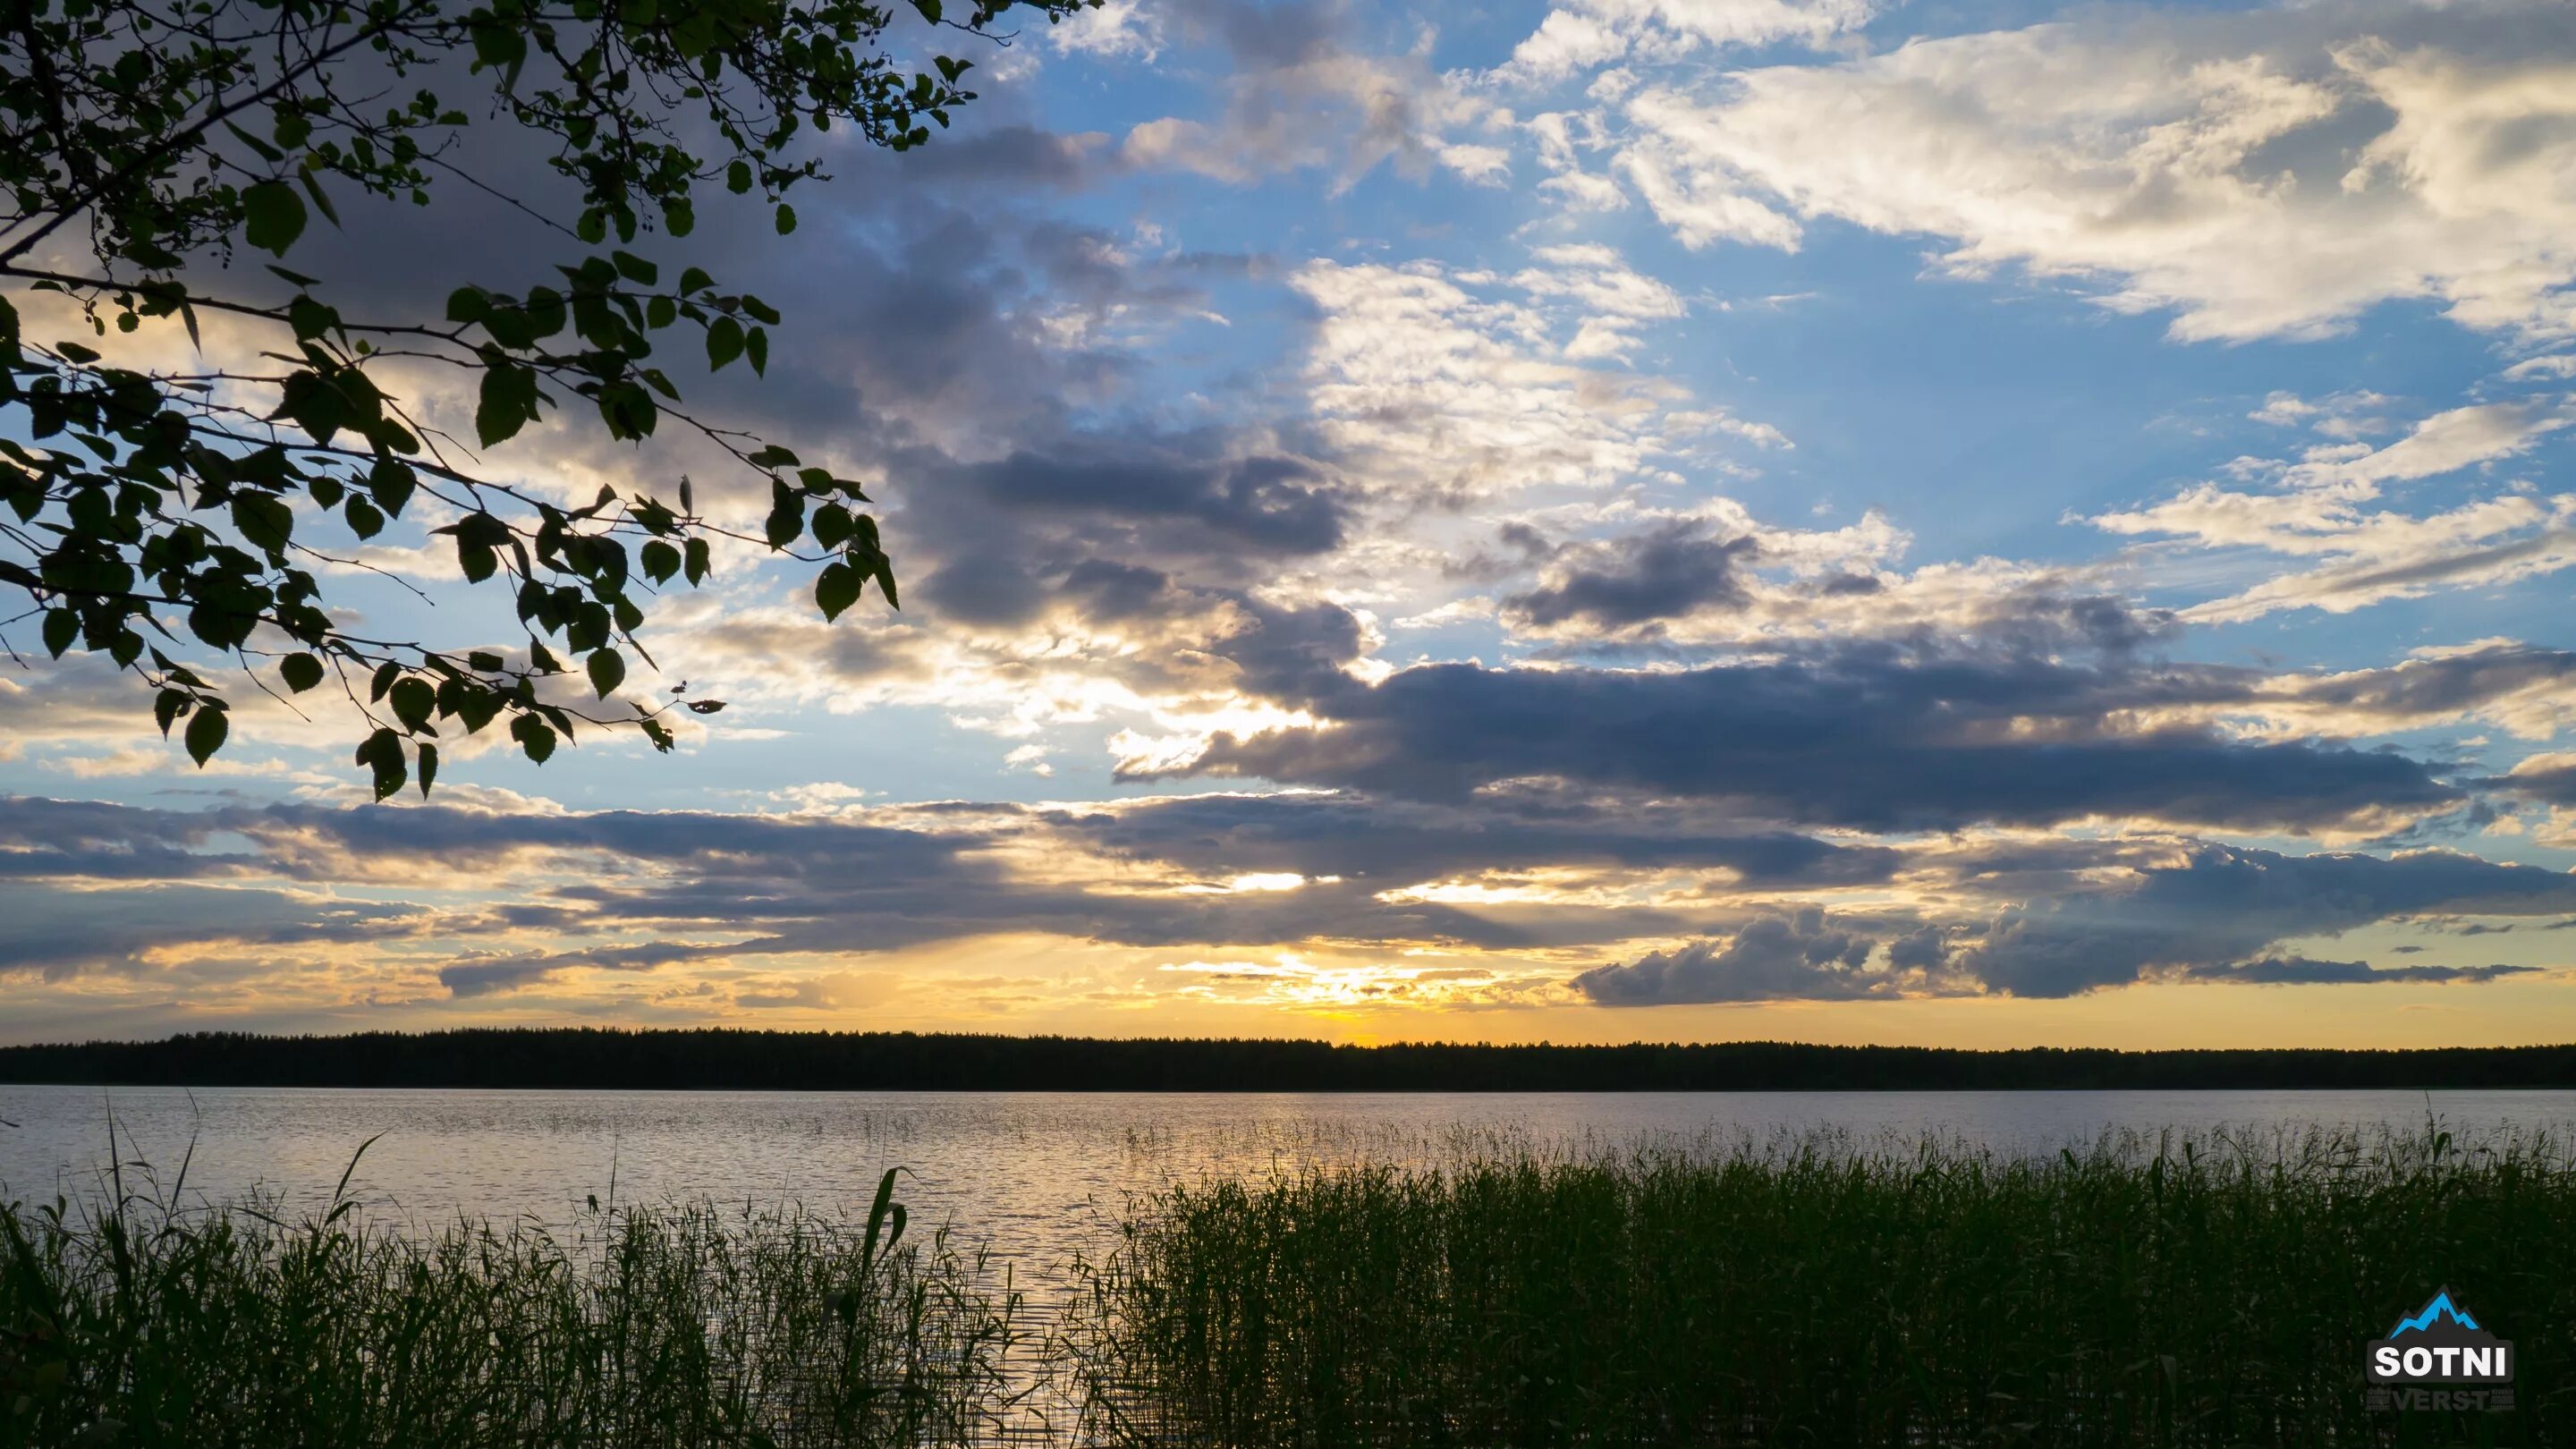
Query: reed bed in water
127	1323
2145	1293
1478	1293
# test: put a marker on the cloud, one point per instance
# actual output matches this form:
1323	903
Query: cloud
1800	957
2316	512
1379	842
1451	388
2547	778
2266	174
1715	577
1865	736
2299	971
1588	34
57	933
2215	916
1674	569
2221	905
1299	92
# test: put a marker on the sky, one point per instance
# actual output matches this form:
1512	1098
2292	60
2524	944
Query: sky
1973	525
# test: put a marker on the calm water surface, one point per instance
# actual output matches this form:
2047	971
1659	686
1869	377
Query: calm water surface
1036	1175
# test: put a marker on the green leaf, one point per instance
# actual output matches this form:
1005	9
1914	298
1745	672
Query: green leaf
391	483
413	699
264	519
698	564
382	753
62	626
533	737
607	671
724	343
635	269
321	203
756	346
428	768
837	589
786	520
365	520
168	706
265	151
507	399
300	671
786	218
485	660
660	561
206	731
273	216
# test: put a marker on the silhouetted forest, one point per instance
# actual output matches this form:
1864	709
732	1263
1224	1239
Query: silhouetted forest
784	1060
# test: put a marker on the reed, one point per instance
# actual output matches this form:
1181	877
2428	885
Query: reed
2157	1293
1470	1294
127	1322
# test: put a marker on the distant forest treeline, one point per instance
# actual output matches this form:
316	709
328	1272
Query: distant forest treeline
784	1060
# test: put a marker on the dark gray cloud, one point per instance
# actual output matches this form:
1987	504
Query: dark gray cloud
2217	917
1799	957
2446	686
2224	904
1268	504
2550	781
1869	736
1401	842
57	933
652	890
1673	569
2299	971
658	889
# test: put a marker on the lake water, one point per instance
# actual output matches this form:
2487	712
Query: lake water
1035	1175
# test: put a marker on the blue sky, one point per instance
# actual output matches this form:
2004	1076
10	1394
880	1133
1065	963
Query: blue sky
1616	519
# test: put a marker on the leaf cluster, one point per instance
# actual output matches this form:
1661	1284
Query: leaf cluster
164	516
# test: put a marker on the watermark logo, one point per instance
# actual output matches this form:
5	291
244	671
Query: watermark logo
2439	1358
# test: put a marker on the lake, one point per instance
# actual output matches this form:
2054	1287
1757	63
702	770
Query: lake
1037	1175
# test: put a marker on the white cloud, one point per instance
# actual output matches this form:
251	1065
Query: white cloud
2344	415
1587	34
1330	109
1111	28
1450	385
2368	556
2264	175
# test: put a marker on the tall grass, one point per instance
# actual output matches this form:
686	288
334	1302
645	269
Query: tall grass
2172	1293
1488	1294
127	1322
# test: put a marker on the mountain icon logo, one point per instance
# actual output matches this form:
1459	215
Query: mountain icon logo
2440	1310
2440	1343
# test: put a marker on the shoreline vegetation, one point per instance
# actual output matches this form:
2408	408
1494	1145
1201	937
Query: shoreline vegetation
608	1058
2169	1292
